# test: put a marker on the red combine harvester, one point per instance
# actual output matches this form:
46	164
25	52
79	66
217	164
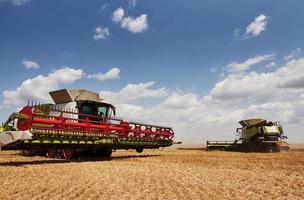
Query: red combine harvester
79	122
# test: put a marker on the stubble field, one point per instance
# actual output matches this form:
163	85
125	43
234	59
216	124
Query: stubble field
168	174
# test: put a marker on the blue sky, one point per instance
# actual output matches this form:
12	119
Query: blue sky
185	49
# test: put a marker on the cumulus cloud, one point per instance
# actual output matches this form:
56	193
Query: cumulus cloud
256	27
181	101
293	79
293	54
37	88
135	25
118	15
134	91
298	82
261	87
243	66
111	74
29	64
101	33
132	24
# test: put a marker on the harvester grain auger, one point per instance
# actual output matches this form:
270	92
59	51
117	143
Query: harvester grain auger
78	122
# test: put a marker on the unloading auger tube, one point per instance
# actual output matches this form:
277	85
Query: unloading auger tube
55	130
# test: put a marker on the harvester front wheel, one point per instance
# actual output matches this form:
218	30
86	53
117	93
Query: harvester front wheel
273	148
50	153
139	150
28	152
105	153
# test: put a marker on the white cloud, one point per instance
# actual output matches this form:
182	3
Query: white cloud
104	6
181	101
243	66
101	33
256	27
282	85
17	2
132	24
297	82
111	74
293	54
134	91
37	88
213	69
20	2
118	15
135	25
29	64
236	32
132	3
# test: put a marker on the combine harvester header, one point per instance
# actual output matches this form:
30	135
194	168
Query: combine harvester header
79	121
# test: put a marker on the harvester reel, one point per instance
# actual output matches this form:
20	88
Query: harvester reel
25	119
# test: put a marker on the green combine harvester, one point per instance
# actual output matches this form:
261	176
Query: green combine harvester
255	135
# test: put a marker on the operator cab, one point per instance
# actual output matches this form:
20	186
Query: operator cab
103	111
86	102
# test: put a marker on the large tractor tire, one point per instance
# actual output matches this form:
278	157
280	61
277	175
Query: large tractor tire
28	153
139	150
274	148
252	146
68	154
50	153
105	153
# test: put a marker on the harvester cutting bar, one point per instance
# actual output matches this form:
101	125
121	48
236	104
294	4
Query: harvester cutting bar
220	142
69	123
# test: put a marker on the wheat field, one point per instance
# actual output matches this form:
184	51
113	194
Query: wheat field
168	174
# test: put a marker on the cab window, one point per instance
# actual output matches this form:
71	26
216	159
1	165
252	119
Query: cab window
87	109
102	111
